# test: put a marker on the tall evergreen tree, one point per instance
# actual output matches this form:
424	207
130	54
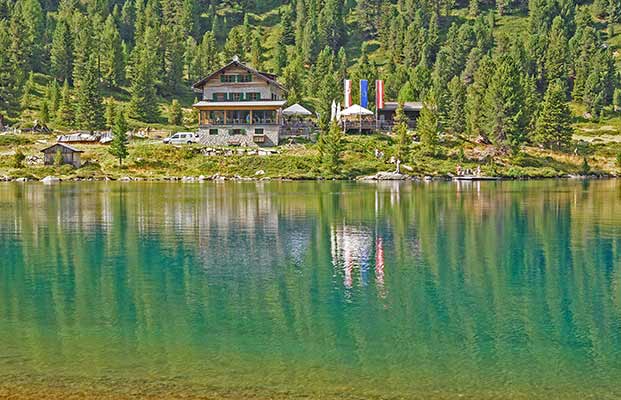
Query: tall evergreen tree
553	127
428	124
65	114
457	101
118	146
112	63
89	110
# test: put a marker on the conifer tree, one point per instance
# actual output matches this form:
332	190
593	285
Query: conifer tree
286	25
89	110
44	112
53	94
110	112
175	113
112	62
208	54
143	101
504	105
400	132
280	57
9	84
28	92
553	127
428	124
331	147
65	113
118	146
256	51
61	53
457	101
173	53
557	53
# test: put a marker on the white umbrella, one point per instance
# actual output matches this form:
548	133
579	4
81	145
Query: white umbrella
356	110
338	111
333	111
296	109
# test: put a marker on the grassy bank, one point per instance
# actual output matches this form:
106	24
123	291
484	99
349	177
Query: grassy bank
150	159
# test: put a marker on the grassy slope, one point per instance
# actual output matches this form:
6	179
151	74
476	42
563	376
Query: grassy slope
152	160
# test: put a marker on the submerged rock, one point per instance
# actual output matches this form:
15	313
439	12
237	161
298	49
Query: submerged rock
21	180
125	179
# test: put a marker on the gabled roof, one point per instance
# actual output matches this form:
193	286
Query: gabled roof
63	145
271	78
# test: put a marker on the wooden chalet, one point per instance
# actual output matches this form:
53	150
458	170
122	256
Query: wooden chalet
70	154
240	106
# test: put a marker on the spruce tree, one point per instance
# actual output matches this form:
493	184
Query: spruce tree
175	113
65	113
110	112
89	110
208	54
557	53
53	94
61	53
331	148
118	146
504	105
44	112
28	92
400	132
9	84
256	51
112	62
553	127
428	124
143	101
457	101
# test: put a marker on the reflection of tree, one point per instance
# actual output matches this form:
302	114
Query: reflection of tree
232	282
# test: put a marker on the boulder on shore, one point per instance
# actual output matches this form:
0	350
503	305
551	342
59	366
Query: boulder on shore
48	180
386	176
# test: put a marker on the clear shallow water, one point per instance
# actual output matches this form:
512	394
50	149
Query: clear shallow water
491	290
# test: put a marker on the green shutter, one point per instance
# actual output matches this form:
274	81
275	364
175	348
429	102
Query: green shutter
222	78
214	96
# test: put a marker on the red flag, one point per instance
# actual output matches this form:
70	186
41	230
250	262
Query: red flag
379	94
347	102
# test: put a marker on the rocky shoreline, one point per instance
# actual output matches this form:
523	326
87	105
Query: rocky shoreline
380	176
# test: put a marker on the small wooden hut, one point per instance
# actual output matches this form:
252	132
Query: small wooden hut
70	154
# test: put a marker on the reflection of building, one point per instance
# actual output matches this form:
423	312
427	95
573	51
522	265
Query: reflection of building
352	248
240	105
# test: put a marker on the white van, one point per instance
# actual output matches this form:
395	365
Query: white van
182	138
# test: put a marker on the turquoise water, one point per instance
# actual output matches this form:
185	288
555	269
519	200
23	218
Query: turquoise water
321	290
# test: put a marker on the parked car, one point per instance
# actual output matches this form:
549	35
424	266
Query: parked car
182	138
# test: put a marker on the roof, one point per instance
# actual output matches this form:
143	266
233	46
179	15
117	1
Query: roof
271	78
296	109
407	106
268	103
63	145
78	137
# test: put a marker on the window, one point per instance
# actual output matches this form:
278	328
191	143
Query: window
238	117
245	78
235	96
237	131
259	131
253	96
219	97
216	117
213	131
228	78
264	116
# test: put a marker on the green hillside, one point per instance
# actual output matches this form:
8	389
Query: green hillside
514	75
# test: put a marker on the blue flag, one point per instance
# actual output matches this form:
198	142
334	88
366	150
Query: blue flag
364	98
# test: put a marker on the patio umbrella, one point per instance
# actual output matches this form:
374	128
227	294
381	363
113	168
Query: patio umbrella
296	109
333	111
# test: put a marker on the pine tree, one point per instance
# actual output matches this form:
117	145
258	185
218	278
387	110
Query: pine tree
504	105
553	127
44	112
175	116
173	53
331	147
53	94
400	132
256	51
28	92
61	53
280	57
473	8
286	25
143	101
208	54
293	79
9	84
110	112
457	101
557	53
118	146
65	113
112	62
428	124
89	111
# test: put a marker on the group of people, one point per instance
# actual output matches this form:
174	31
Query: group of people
468	172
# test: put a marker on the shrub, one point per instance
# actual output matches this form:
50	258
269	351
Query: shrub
18	159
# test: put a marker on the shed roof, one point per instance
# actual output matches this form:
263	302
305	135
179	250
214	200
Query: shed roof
407	106
73	149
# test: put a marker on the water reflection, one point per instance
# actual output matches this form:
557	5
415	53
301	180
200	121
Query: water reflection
326	288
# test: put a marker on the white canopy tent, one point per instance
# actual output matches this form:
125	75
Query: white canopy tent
296	109
355	110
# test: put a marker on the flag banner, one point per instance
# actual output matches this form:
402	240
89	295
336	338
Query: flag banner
364	88
379	94
347	101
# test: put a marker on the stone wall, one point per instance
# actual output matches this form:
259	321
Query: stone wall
225	138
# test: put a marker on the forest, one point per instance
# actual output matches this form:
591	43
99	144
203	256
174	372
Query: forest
508	73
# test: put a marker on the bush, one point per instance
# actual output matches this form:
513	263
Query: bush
585	168
618	160
13	140
18	159
58	158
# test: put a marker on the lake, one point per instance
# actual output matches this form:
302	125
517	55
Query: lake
495	290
